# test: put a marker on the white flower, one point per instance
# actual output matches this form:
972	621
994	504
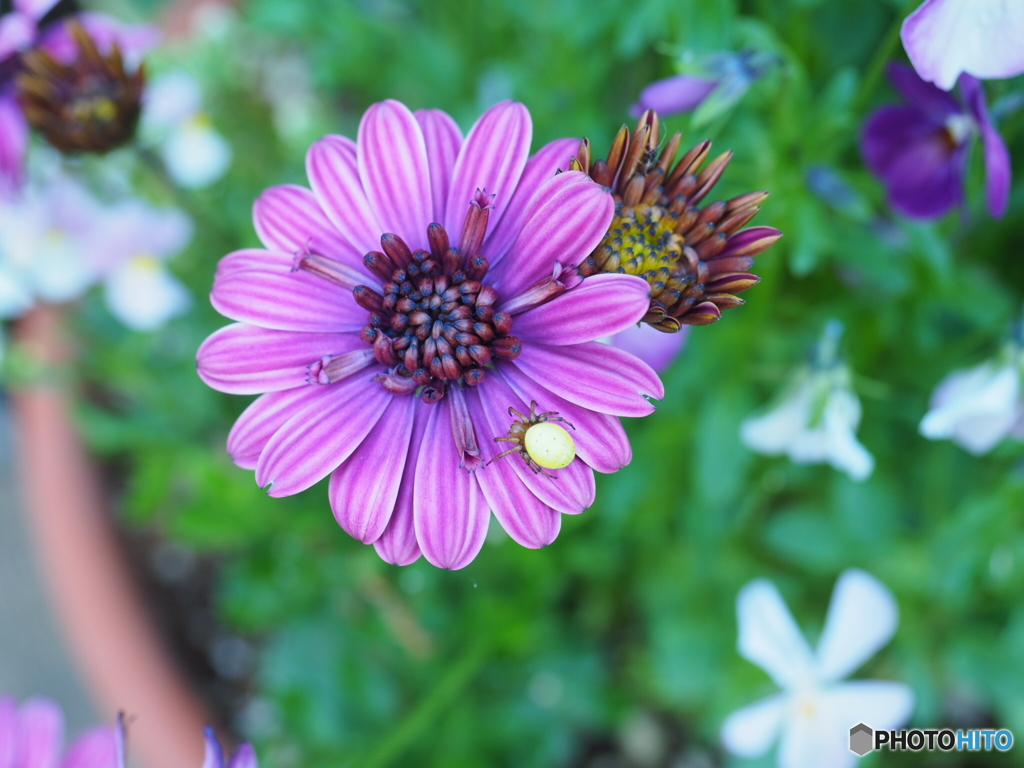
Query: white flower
194	154
48	237
814	422
813	714
138	238
978	407
984	38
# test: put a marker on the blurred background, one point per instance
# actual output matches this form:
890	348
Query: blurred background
614	646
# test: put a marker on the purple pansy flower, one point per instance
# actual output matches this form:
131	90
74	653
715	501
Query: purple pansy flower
32	735
919	149
391	359
984	38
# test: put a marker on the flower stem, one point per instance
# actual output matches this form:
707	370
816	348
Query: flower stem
457	677
883	54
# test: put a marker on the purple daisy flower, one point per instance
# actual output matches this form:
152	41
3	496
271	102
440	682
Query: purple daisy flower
393	355
32	735
919	149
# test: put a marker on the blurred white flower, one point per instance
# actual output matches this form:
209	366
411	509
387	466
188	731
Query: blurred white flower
945	38
48	236
816	419
138	238
978	407
813	714
194	154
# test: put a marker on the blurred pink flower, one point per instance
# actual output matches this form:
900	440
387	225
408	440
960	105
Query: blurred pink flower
947	38
32	736
393	370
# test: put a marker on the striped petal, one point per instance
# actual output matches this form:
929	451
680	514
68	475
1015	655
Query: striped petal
364	489
594	375
398	545
449	510
542	166
288	218
394	171
564	222
601	306
601	441
321	436
286	300
333	171
492	158
243	359
261	420
443	139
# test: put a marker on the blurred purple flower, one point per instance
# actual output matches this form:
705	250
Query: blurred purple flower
720	80
919	149
13	144
679	93
394	371
32	736
244	757
656	348
983	38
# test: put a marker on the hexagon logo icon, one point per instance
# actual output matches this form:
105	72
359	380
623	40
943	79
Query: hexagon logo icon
861	739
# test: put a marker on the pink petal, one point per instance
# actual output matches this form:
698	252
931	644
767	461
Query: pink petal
598	307
449	511
333	171
525	517
41	734
564	222
542	166
258	423
286	300
96	748
443	139
288	218
8	730
397	545
248	259
594	375
13	145
243	359
751	240
321	436
601	442
364	489
492	158
571	490
394	171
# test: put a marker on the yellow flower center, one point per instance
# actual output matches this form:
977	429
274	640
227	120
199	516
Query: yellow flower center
641	242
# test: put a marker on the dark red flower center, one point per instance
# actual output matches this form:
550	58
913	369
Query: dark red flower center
435	323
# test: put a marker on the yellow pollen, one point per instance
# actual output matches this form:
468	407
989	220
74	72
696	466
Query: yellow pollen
145	263
642	243
551	446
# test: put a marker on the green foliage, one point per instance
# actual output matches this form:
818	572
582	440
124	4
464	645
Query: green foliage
526	657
